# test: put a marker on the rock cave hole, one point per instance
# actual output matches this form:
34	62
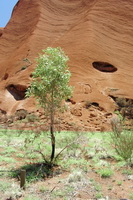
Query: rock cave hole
17	91
104	67
95	104
89	104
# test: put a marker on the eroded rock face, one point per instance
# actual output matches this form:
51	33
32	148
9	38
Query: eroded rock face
1	31
17	91
96	35
124	106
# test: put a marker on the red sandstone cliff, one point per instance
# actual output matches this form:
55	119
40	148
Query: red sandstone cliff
97	35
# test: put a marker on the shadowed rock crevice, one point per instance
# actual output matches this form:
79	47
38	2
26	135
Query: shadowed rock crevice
88	104
6	75
104	67
17	91
1	32
2	111
71	100
125	106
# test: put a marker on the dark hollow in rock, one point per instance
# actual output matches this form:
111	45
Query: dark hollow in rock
71	100
5	76
104	67
123	102
17	91
31	75
95	104
1	32
2	111
89	104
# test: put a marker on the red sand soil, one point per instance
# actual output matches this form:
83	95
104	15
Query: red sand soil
95	34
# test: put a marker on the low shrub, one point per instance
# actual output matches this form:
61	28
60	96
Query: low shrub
122	140
105	172
32	117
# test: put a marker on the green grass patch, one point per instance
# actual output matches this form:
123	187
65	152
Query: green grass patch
131	195
105	172
83	150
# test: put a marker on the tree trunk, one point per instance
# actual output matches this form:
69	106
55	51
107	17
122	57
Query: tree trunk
52	136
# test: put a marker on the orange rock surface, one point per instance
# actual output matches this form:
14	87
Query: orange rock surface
97	35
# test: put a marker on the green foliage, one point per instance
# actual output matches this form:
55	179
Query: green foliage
123	143
81	163
20	155
39	144
127	171
131	196
9	151
7	159
99	195
50	79
119	115
43	189
119	183
97	187
31	197
63	194
9	189
4	186
32	118
122	139
59	193
105	172
50	85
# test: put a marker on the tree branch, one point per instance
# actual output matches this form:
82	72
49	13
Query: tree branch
66	147
41	155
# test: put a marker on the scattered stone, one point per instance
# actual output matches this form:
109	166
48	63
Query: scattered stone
105	198
76	112
130	177
21	114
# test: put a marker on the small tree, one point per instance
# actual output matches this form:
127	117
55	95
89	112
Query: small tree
50	85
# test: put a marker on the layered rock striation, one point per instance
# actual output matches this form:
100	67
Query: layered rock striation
95	34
